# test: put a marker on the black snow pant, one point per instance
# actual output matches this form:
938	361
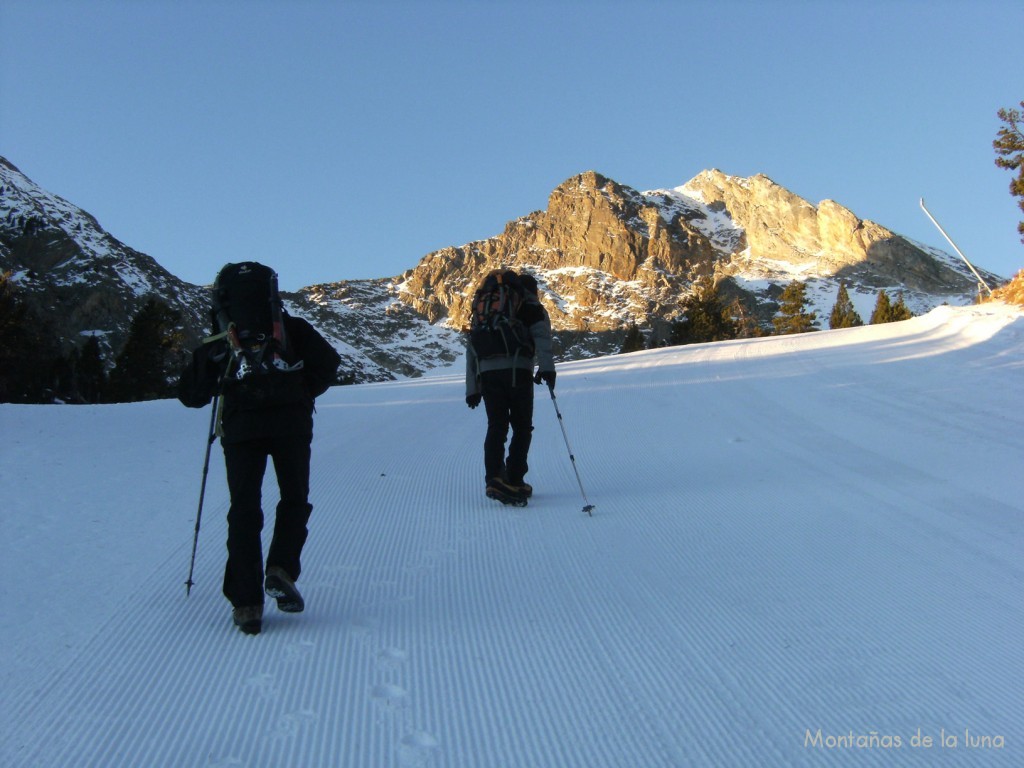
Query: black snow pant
508	399
246	463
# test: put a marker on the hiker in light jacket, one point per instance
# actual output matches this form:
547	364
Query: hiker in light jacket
505	384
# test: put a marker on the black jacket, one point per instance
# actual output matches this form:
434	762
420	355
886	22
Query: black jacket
287	411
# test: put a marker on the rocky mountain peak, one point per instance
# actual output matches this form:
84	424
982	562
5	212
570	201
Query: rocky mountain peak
604	254
82	280
828	239
607	255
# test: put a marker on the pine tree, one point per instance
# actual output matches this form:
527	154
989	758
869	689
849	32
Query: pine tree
12	322
793	316
704	317
144	367
30	355
882	312
899	310
1009	145
634	340
844	315
62	374
90	375
745	322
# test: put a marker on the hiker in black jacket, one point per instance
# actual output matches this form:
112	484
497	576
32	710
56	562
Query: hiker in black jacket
268	414
505	384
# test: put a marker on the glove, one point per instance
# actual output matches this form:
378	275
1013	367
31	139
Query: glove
472	400
548	377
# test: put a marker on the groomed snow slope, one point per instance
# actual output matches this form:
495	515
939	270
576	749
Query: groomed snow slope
805	551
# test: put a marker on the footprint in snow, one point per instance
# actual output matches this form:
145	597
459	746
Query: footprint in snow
364	626
391	658
416	749
298	650
262	684
290	724
389	696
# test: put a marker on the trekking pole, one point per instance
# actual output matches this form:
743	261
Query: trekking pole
202	492
588	507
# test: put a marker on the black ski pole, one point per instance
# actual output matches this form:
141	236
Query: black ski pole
588	507
202	491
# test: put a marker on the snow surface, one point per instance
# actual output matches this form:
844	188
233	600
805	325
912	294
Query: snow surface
805	551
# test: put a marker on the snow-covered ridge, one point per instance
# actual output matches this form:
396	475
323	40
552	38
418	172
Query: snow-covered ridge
25	204
713	221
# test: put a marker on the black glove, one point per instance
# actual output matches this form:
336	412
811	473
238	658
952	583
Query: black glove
548	377
472	400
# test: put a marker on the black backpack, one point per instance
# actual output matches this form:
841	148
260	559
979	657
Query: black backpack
247	311
496	329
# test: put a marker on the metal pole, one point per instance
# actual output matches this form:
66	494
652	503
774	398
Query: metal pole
588	507
202	492
971	266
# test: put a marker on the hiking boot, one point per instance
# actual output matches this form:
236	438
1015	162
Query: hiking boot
522	486
501	491
279	585
248	618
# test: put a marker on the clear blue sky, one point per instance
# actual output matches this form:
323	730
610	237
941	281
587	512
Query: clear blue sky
339	140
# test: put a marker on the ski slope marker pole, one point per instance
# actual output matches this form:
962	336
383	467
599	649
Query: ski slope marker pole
981	282
202	492
588	507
